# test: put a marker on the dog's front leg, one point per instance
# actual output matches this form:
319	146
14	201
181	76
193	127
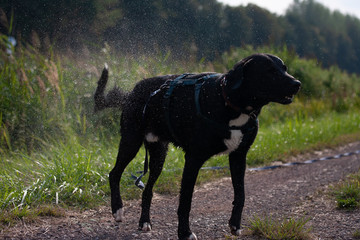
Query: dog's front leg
237	162
191	170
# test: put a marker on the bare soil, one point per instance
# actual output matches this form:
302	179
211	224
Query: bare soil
297	191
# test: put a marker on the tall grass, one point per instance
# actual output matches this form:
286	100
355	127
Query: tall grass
65	174
55	150
32	101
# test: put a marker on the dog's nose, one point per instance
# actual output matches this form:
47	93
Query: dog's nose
296	84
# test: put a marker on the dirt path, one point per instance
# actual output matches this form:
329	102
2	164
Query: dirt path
298	191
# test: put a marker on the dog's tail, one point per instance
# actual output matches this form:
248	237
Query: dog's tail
113	99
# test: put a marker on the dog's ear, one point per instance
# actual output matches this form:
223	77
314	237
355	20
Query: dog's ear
235	76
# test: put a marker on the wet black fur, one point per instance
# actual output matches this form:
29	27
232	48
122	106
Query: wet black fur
252	83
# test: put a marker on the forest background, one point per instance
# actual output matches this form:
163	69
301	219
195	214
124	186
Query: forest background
187	28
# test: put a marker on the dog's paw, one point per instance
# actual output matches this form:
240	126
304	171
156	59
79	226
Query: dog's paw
146	227
235	231
192	237
119	215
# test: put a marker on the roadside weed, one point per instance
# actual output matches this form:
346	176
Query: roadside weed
273	229
347	193
29	215
356	234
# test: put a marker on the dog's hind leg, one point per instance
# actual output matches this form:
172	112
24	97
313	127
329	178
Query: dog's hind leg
157	153
190	173
129	146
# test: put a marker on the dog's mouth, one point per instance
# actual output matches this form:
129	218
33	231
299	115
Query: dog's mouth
287	99
282	99
283	95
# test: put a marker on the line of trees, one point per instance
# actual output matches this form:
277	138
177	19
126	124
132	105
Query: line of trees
201	28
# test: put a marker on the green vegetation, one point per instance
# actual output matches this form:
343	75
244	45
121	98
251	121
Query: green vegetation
347	193
55	151
29	215
356	234
273	229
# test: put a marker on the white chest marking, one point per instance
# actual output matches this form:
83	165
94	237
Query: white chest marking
236	136
233	142
238	122
150	137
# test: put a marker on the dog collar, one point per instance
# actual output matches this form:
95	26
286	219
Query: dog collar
223	82
253	114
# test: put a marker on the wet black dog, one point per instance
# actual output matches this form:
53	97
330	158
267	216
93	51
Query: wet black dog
205	114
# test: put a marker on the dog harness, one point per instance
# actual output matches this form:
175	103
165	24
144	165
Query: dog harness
188	79
185	80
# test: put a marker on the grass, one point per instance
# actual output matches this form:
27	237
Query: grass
347	193
280	140
29	215
72	174
273	229
66	175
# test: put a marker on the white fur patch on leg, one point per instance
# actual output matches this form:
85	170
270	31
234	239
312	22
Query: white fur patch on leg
150	137
192	237
119	215
146	227
234	231
238	232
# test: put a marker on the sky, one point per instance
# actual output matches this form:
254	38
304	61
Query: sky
351	7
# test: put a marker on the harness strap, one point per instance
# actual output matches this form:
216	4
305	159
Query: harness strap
138	181
172	84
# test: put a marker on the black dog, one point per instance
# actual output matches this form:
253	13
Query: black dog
205	114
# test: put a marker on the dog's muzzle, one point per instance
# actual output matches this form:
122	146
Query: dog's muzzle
294	88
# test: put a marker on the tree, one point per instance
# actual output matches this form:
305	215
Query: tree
61	20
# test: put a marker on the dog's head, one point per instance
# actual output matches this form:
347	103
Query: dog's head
263	78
